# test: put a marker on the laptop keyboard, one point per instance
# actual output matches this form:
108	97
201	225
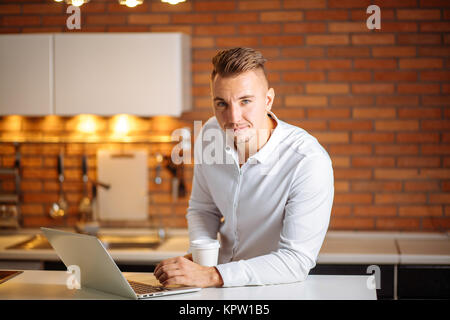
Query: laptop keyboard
142	288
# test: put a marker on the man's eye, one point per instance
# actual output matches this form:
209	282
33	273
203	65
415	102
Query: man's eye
221	104
246	101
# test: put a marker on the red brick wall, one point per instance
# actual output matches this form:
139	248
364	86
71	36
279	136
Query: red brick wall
377	100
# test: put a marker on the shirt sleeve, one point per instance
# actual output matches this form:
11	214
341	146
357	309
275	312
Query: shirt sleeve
305	223
203	216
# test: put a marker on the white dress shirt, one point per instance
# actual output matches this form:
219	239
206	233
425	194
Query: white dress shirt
271	214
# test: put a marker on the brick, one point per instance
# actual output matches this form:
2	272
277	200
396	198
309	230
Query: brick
305	101
419	113
349	76
414	137
420	63
378	137
436	149
446	186
375	63
282	40
285	64
303	27
260	28
373	39
349	3
326	15
214	6
290	113
194	18
439	198
372	88
353	173
166	28
399	27
327	39
397	224
329	113
43	8
375	211
433	51
202	42
118	19
435	26
437	173
434	3
417	88
395	76
214	30
396	3
435	76
351	223
396	149
289	88
426	14
351	100
436	223
372	186
21	21
272	16
28	185
352	125
348	52
237	17
165	7
345	27
306	52
374	113
9	9
236	41
396	125
421	186
303	76
396	174
340	210
419	38
373	161
327	137
327	88
321	64
361	15
310	125
32	209
305	4
259	5
394	51
347	198
397	100
394	198
354	149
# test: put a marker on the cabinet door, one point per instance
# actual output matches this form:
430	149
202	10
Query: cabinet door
26	85
143	74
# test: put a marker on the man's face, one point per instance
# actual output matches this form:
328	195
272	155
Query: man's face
241	102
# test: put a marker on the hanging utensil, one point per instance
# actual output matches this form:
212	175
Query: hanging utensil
58	209
159	160
85	207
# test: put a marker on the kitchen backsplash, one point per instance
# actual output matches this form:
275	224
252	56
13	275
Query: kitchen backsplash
377	100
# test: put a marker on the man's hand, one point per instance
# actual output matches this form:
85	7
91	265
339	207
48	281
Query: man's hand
182	271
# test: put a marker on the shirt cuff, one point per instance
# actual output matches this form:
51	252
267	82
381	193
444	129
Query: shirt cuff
233	274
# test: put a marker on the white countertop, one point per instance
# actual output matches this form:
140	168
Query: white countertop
41	285
339	247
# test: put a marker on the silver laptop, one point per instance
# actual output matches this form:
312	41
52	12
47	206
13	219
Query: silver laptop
98	270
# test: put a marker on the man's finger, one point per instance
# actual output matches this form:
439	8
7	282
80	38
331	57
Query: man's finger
165	262
165	269
170	274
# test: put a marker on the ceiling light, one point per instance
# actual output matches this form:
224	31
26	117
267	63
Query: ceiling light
173	1
76	3
131	3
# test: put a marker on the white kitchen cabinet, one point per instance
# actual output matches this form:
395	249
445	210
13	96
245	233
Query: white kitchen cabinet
26	74
144	74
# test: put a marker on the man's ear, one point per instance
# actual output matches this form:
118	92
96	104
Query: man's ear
269	98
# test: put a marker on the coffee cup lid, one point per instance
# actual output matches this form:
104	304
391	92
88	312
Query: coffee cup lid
205	244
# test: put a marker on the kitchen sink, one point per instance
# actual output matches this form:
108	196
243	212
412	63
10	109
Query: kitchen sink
39	242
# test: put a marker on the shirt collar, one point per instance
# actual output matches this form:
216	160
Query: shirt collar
264	154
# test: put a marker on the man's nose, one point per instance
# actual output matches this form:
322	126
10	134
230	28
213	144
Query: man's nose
234	113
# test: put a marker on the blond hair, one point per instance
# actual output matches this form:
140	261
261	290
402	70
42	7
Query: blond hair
237	60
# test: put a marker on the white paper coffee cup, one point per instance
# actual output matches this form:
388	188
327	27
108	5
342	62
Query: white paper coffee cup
205	252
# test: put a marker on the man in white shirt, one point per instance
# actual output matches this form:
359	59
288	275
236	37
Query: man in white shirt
266	187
